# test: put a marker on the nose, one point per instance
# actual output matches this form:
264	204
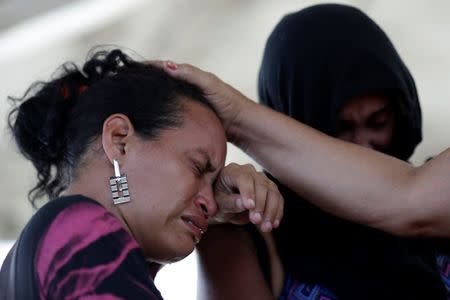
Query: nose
363	138
205	201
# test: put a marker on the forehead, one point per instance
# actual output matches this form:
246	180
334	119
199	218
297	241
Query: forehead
203	130
363	106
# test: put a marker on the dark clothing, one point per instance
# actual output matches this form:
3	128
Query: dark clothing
319	58
314	61
353	261
81	251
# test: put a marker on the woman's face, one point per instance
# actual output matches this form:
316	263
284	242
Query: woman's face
367	121
170	182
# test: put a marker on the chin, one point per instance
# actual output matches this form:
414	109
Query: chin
176	254
174	259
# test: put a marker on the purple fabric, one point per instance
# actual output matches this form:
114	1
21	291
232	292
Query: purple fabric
87	254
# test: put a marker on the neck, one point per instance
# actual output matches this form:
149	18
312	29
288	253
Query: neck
93	182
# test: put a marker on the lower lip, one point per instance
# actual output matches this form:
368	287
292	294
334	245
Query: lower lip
194	230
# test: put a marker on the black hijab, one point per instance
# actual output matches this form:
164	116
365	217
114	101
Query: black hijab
320	57
314	61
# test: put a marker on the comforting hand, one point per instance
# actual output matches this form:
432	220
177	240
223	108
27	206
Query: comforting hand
227	101
245	195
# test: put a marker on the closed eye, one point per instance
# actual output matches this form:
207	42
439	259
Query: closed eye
377	124
379	119
198	168
201	162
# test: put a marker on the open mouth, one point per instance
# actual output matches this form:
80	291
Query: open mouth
197	226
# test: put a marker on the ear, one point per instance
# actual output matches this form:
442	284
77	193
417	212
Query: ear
117	131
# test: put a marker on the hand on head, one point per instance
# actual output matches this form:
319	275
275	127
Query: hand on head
228	102
243	194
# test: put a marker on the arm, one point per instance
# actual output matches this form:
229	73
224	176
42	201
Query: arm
347	180
227	257
344	179
229	268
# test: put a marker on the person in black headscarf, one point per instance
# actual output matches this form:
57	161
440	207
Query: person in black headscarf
318	59
332	68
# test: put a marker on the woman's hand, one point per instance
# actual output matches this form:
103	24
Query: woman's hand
245	195
228	102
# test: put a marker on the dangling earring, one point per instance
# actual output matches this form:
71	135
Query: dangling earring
119	186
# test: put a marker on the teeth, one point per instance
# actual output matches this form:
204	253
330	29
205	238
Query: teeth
201	230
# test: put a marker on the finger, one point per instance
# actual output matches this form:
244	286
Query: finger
270	211
231	203
261	189
236	180
248	203
245	184
186	72
249	197
280	211
276	196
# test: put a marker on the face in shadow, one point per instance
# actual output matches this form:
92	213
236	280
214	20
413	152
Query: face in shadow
367	121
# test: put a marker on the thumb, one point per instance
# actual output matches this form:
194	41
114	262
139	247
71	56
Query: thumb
230	203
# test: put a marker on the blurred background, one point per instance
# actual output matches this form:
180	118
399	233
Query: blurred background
226	37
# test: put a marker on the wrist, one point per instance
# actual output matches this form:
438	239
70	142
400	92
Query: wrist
237	126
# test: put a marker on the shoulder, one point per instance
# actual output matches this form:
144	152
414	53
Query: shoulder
79	219
86	251
77	226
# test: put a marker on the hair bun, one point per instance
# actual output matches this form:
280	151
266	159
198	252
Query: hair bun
104	64
38	126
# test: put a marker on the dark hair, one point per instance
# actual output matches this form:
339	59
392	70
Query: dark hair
57	120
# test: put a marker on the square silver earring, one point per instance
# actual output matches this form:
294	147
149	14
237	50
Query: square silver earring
119	186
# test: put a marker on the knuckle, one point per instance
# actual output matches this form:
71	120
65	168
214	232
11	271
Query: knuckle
249	166
233	166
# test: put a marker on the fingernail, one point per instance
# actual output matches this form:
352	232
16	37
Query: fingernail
266	226
171	65
250	203
276	223
239	204
256	217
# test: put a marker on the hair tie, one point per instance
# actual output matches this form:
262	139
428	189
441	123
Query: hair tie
82	88
65	90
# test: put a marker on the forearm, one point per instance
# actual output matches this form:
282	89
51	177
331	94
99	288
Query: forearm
344	179
228	266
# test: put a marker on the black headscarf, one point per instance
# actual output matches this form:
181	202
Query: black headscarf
320	57
314	61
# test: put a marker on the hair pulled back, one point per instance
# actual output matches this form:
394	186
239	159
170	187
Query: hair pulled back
55	122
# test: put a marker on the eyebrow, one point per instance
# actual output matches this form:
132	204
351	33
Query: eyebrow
372	115
380	111
210	168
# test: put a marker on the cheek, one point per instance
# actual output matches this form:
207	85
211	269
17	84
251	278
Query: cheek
150	185
387	134
165	189
345	136
381	139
